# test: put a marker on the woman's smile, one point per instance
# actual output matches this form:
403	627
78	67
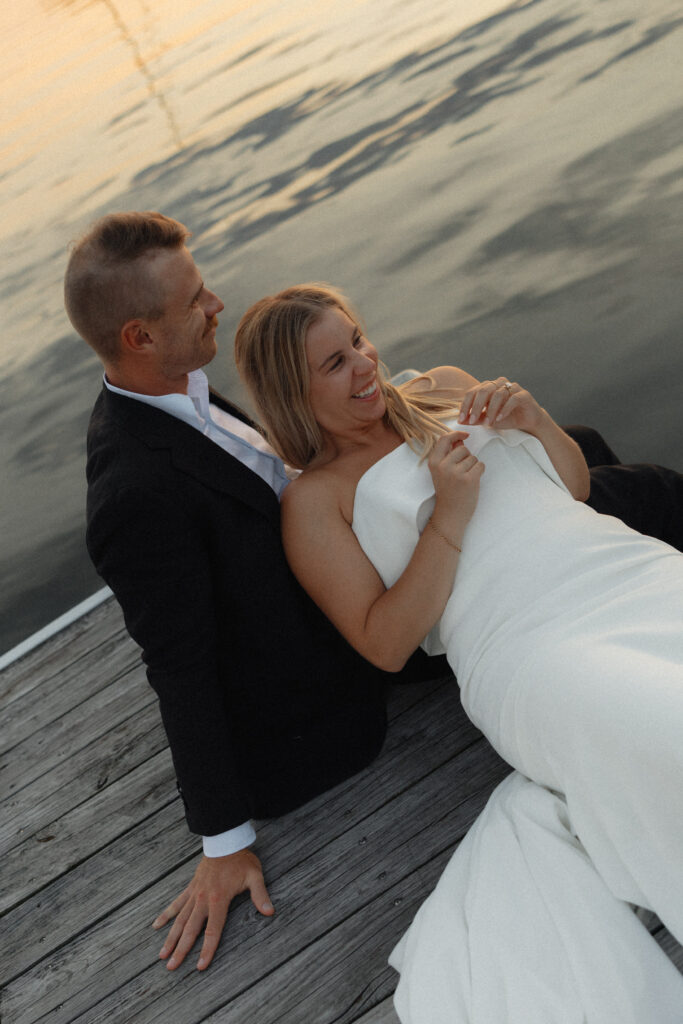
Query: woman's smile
370	391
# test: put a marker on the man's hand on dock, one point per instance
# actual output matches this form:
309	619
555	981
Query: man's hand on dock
207	898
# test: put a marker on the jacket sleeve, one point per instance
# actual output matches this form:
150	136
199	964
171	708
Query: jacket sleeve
152	554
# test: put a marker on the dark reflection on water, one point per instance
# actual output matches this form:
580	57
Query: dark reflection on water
487	199
480	85
651	36
585	218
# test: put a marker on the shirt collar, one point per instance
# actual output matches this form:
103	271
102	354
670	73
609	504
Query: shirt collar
192	408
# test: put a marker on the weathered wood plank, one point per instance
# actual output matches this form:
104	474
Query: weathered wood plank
316	895
102	883
97	894
87	827
42	664
94	671
80	777
108	757
337	977
66	842
42	751
347	872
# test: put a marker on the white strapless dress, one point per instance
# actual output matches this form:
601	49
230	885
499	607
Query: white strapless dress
565	632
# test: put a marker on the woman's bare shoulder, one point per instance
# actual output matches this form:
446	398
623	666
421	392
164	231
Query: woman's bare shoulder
452	377
442	377
313	489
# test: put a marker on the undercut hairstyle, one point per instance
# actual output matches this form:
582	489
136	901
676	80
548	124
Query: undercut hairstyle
271	358
108	280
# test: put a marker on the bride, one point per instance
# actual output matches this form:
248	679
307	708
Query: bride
449	513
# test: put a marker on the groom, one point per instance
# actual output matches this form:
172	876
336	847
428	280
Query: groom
263	703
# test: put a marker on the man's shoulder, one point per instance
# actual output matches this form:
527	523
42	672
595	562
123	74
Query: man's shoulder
126	428
112	413
124	442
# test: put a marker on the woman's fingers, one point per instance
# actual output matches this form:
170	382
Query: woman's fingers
462	457
505	408
445	445
486	399
476	400
451	456
501	403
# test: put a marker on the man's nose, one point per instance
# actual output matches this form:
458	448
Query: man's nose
213	306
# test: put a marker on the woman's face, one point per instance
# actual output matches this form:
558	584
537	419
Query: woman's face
344	390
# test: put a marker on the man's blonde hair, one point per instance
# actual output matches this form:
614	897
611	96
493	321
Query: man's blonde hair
107	280
271	358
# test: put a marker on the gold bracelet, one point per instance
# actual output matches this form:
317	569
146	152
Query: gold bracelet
444	537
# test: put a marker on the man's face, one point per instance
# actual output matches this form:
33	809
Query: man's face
185	334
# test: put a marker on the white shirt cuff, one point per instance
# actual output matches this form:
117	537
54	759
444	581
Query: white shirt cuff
229	842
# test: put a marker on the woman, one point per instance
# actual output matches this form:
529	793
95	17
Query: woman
563	628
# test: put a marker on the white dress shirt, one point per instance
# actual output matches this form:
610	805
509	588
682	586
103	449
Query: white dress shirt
247	445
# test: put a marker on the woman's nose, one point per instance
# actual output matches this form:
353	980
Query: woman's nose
363	360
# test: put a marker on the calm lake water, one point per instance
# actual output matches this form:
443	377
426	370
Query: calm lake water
494	186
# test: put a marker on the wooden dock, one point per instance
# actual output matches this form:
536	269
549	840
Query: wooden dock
94	845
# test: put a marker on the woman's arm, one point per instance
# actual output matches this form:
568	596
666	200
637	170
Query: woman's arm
385	626
505	405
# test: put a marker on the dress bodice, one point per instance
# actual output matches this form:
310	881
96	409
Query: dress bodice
529	547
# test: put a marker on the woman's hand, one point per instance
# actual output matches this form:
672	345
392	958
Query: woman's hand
456	474
500	403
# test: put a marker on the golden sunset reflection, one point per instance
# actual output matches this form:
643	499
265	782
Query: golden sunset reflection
495	184
95	90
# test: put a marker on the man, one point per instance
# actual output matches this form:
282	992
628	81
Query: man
263	703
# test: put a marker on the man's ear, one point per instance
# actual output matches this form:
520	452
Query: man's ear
134	337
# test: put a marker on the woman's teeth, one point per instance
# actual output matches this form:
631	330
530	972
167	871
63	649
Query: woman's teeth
366	392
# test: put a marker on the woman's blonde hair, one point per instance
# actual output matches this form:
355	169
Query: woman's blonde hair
271	358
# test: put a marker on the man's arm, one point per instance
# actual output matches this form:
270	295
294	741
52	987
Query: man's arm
151	553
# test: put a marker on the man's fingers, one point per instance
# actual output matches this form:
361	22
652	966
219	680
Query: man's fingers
170	911
188	938
260	897
174	935
212	934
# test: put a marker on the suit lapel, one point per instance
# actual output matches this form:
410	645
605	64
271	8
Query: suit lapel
193	454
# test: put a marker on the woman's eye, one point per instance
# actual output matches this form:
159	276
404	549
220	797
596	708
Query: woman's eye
336	363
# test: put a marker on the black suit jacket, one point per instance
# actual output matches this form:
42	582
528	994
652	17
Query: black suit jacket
264	704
